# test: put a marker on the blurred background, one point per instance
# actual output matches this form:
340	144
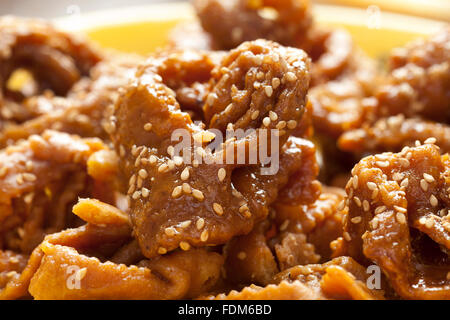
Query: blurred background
59	8
435	9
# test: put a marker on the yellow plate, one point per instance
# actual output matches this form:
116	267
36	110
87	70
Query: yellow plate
142	29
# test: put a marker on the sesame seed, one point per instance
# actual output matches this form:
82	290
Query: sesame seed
404	183
356	220
217	208
29	177
131	189
243	208
397	176
273	116
284	225
200	223
134	150
185	224
347	236
170	150
211	98
204	236
380	209
430	140
400	209
404	162
382	164
428	177
178	161
186	188
139	183
170	164
185	174
176	191
400	218
132	180
341	205
170	231
136	195
3	171
357	201
145	192
371	185
162	250
355	182
143	173
290	76
255	114
122	151
366	205
374	223
429	223
242	255
29	165
374	193
195	163
281	125
422	220
152	159
424	185
198	194
19	179
292	124
268	90
148	126
433	200
275	83
236	193
266	121
221	174
184	246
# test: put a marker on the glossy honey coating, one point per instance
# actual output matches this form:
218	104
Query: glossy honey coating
398	218
56	60
168	197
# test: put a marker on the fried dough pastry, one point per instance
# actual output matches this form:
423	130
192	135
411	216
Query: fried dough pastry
173	201
174	276
198	39
87	254
284	21
316	225
295	235
283	291
56	61
393	133
398	218
340	278
34	190
85	110
419	80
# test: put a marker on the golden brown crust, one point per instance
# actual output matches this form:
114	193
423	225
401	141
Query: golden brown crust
56	60
387	196
419	80
284	21
228	207
393	133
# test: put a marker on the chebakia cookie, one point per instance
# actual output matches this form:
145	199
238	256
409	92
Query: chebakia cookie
398	217
265	157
